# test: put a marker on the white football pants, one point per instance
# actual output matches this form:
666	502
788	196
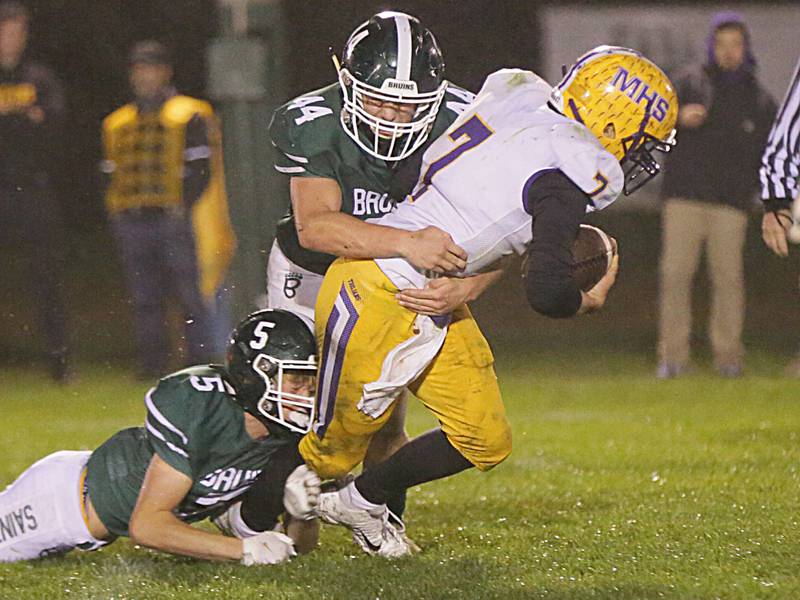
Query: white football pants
41	513
291	287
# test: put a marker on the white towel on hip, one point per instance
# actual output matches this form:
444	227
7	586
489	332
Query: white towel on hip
403	365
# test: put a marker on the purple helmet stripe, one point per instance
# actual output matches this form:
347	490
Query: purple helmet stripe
567	79
575	112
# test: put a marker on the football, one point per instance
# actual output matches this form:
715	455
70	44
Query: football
592	253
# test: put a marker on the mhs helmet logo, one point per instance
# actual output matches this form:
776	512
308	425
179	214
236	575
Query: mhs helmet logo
640	92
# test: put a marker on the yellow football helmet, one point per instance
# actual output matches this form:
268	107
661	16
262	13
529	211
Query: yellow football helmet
627	102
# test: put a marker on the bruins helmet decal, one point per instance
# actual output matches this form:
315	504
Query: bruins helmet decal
390	58
627	102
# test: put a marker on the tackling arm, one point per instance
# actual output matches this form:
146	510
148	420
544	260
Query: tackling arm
443	295
153	524
288	487
316	203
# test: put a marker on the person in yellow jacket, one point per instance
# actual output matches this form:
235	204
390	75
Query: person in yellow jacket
168	208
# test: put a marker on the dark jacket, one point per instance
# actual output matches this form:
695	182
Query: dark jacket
28	149
718	162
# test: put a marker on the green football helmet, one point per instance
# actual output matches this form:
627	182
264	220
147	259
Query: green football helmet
264	347
391	58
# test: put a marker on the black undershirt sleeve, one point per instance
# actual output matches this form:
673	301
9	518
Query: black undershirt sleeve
262	504
557	206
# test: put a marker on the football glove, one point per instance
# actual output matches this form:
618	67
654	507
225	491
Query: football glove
267	548
301	493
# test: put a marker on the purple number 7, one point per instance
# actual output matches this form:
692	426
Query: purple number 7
474	131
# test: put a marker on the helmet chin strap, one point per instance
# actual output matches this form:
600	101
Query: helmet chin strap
335	59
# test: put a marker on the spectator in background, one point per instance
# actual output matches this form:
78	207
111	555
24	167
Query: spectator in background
168	210
31	115
780	168
709	184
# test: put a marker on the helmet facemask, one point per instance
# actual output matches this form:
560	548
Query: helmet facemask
638	164
295	412
388	140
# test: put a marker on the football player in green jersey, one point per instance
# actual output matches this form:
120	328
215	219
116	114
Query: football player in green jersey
210	432
352	150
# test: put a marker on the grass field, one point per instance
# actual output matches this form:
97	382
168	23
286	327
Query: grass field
618	487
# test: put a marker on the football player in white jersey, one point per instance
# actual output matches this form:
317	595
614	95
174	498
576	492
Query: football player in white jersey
518	169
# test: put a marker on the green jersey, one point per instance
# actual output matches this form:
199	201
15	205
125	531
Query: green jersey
310	142
195	426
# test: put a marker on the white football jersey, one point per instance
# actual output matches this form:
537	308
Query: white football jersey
475	177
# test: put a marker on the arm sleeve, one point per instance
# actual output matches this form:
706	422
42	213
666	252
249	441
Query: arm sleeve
263	503
781	158
196	160
557	206
169	430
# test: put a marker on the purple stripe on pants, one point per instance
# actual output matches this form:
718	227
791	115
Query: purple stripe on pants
332	382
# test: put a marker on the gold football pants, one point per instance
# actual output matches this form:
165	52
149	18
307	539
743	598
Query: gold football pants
358	322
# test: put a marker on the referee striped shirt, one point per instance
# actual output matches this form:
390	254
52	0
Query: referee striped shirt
780	164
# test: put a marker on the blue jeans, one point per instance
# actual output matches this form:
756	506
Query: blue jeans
158	255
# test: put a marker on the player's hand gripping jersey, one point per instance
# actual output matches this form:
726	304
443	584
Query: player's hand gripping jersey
475	178
195	426
310	142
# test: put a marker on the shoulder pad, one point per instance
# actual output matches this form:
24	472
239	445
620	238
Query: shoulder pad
181	109
305	130
528	90
179	408
201	378
307	122
581	157
119	117
507	79
456	99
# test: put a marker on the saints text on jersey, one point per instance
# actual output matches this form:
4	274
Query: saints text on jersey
17	522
